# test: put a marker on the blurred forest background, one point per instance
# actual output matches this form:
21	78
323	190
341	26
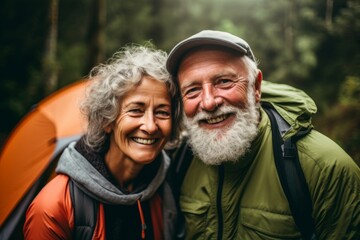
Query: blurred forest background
310	44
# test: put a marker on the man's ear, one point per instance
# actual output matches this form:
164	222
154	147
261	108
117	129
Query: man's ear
258	86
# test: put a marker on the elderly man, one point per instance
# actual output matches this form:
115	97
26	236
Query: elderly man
231	189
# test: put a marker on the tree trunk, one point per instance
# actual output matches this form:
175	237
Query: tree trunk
50	69
96	34
289	30
328	15
157	29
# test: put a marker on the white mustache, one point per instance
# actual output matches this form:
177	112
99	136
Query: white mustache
223	110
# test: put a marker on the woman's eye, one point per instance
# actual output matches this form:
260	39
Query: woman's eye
163	114
135	111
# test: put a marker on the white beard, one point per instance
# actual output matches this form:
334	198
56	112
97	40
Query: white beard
216	146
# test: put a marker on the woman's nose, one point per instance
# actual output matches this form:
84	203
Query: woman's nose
149	124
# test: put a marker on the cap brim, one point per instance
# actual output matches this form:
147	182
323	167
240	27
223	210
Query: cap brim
184	47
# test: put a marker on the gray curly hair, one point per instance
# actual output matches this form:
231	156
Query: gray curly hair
112	80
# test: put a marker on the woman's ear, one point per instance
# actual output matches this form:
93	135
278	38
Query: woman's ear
258	86
108	129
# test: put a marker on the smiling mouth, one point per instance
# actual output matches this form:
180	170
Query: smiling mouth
217	119
145	141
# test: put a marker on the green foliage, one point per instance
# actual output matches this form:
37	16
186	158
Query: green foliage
307	43
21	44
350	92
72	58
341	120
340	123
128	23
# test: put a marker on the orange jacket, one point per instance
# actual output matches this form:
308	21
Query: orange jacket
50	215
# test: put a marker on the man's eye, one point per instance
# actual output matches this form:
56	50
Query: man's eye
224	82
192	92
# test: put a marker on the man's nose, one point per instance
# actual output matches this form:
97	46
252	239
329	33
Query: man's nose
208	101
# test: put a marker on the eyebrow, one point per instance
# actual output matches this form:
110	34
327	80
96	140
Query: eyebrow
134	103
213	78
143	104
221	75
192	83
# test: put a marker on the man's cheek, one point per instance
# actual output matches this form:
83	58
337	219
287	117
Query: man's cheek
190	108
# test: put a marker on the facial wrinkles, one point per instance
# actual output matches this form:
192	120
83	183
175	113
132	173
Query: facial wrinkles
221	145
147	115
197	67
203	64
207	76
201	69
146	99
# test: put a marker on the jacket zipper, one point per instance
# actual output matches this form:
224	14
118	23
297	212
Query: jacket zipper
218	203
142	219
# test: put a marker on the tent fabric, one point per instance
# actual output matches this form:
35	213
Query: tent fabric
36	141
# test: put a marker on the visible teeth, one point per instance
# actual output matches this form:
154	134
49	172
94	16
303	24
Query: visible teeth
144	140
216	119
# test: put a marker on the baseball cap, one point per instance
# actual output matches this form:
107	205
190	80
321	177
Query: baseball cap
204	38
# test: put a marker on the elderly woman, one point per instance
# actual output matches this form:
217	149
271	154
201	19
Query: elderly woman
132	108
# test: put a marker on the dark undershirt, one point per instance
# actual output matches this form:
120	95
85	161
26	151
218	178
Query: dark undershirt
123	221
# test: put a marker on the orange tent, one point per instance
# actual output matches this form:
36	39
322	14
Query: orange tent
29	156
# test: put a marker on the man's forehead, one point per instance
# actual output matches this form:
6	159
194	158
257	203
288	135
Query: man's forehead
211	62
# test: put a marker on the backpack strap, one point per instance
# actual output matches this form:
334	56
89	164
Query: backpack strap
290	173
289	170
182	159
85	212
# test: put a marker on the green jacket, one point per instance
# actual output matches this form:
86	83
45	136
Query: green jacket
249	195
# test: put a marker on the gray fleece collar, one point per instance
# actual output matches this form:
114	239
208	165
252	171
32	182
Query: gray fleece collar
85	176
